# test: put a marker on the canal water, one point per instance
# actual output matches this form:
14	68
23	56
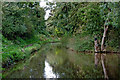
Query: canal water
55	61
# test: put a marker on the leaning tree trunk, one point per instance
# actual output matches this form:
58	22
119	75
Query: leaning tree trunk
103	38
102	48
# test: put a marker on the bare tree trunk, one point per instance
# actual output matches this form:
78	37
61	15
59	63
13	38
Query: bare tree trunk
102	48
103	38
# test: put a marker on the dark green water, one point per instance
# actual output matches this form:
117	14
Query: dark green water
55	61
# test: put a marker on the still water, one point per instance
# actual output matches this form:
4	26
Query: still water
48	71
55	61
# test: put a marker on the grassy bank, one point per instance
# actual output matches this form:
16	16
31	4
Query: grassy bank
14	51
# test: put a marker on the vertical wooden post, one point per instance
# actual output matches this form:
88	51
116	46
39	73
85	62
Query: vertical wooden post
97	55
96	45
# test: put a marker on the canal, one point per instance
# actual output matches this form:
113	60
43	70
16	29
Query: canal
55	61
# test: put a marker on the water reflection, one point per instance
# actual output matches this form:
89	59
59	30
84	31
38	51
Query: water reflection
97	59
101	57
48	72
55	61
109	63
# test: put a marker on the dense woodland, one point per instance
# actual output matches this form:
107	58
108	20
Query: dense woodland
25	30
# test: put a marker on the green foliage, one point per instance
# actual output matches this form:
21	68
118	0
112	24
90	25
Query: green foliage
90	16
19	49
68	17
24	23
110	12
21	19
86	18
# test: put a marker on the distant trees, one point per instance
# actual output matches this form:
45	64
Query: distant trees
89	18
25	19
71	17
21	19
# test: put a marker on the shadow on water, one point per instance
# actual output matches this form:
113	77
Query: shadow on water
55	61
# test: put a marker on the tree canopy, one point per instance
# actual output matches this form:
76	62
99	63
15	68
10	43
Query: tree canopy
22	19
69	17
